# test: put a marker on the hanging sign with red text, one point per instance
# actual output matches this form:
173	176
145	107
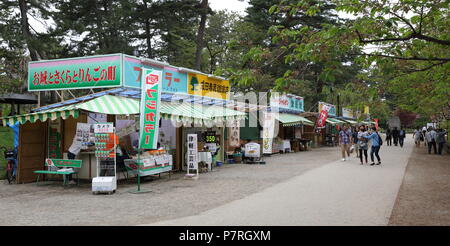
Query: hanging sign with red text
323	115
149	113
75	73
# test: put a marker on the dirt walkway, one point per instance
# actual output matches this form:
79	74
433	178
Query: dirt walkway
424	196
27	204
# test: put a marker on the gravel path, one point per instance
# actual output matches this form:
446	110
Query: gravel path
339	193
424	197
28	204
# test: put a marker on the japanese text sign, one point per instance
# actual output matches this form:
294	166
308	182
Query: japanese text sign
291	102
323	115
173	81
75	73
348	113
150	103
202	85
331	110
102	128
192	161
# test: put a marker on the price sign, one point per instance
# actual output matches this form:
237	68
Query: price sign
104	128
210	137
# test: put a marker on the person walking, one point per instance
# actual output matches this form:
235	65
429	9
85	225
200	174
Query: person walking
395	134
344	142
389	137
424	132
362	144
376	144
431	140
355	141
417	135
441	140
401	137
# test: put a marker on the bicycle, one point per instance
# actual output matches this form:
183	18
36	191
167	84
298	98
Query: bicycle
10	157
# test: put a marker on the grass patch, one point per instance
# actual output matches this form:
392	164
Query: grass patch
6	140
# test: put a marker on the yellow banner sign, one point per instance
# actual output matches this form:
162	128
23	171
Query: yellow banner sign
202	85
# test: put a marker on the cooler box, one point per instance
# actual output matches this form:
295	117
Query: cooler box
104	184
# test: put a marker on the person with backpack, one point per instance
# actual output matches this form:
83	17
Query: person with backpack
376	144
401	137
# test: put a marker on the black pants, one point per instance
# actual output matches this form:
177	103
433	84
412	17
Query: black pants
389	141
400	141
440	147
375	150
395	141
361	154
429	147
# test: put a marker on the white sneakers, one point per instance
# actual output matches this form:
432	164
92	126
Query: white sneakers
343	159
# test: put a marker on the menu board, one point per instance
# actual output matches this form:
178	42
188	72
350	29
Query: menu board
84	135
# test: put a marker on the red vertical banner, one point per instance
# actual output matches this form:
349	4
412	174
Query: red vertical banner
376	123
321	120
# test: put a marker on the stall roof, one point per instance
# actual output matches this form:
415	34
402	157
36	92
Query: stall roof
292	119
168	97
108	104
352	122
334	121
63	112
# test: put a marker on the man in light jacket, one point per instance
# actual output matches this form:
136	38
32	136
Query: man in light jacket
431	137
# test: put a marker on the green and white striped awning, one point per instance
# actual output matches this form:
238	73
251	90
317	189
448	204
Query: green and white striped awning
292	120
52	114
186	113
351	122
109	104
334	121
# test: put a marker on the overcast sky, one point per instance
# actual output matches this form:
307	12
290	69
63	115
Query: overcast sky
232	5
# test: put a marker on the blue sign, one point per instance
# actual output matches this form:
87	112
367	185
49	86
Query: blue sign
173	81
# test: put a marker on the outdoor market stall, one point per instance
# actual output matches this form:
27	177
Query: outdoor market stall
204	105
283	127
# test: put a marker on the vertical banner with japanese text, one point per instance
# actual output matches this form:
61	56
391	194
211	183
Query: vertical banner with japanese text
149	112
234	134
268	132
323	115
192	148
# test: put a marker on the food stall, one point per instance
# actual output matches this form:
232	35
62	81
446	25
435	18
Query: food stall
283	126
202	105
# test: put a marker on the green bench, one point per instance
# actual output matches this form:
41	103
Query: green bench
60	163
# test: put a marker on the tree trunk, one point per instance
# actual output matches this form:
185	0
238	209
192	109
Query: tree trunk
148	36
26	30
201	34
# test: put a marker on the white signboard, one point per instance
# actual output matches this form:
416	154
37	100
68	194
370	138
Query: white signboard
192	154
268	132
348	113
104	128
234	133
